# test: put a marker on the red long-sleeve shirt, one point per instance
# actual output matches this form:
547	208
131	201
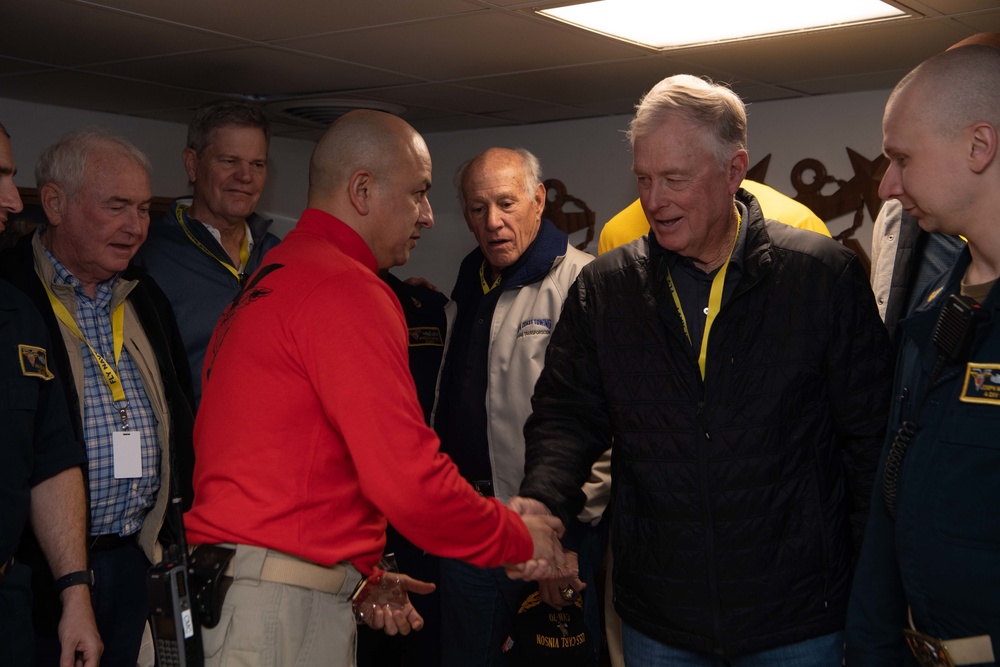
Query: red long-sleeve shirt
309	433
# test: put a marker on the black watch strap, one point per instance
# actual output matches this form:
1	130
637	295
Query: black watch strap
75	579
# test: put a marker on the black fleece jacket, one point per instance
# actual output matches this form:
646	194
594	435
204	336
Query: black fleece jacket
739	501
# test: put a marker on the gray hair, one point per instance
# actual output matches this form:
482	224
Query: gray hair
531	172
213	115
65	162
713	105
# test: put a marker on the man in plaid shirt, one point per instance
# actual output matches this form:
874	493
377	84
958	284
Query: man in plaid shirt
115	344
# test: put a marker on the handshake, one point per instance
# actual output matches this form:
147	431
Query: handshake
555	569
547	561
382	601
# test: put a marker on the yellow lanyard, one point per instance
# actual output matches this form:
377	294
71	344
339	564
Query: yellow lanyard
487	288
110	374
714	301
244	249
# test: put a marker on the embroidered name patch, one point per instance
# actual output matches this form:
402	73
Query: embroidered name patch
982	384
33	362
535	327
426	336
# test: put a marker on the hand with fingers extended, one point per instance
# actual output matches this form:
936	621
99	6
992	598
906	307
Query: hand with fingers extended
564	588
383	603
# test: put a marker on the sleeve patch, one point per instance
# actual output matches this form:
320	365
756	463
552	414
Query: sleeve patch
34	362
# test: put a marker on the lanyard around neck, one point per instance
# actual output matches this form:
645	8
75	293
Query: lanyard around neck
244	248
109	373
487	288
714	301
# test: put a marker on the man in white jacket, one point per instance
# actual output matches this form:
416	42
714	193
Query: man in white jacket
506	301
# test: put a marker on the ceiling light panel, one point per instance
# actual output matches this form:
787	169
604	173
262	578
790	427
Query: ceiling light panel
663	25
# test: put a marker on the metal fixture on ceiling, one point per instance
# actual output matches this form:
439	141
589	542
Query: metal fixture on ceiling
322	111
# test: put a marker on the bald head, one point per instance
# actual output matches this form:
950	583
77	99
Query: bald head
984	38
940	133
953	90
372	171
359	140
525	163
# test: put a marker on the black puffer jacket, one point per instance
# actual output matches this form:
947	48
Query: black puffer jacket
739	502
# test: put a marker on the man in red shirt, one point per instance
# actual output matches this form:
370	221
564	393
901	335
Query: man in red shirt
310	434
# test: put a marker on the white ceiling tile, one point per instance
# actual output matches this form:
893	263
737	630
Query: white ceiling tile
74	34
255	71
453	64
469	46
264	20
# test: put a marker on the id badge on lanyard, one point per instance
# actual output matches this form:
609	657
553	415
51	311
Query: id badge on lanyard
126	445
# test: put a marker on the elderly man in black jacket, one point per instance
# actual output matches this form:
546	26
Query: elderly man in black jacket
117	351
740	368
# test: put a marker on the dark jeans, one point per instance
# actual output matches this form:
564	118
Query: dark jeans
825	651
477	611
591	554
15	617
120	607
417	649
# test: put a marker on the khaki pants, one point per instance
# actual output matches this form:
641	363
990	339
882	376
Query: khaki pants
612	623
266	624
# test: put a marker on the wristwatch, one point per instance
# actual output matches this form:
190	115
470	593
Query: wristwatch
75	579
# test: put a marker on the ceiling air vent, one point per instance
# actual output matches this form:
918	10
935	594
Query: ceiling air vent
321	112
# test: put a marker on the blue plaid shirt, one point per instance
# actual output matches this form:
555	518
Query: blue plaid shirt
117	506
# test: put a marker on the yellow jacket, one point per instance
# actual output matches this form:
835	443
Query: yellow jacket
631	222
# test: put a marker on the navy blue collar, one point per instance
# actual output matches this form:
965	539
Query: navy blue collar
535	263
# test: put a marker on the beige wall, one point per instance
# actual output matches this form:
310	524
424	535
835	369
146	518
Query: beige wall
590	156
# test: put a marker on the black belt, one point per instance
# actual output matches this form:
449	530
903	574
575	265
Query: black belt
484	487
109	542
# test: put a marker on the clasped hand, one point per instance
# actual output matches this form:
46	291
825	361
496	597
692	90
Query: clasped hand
548	559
